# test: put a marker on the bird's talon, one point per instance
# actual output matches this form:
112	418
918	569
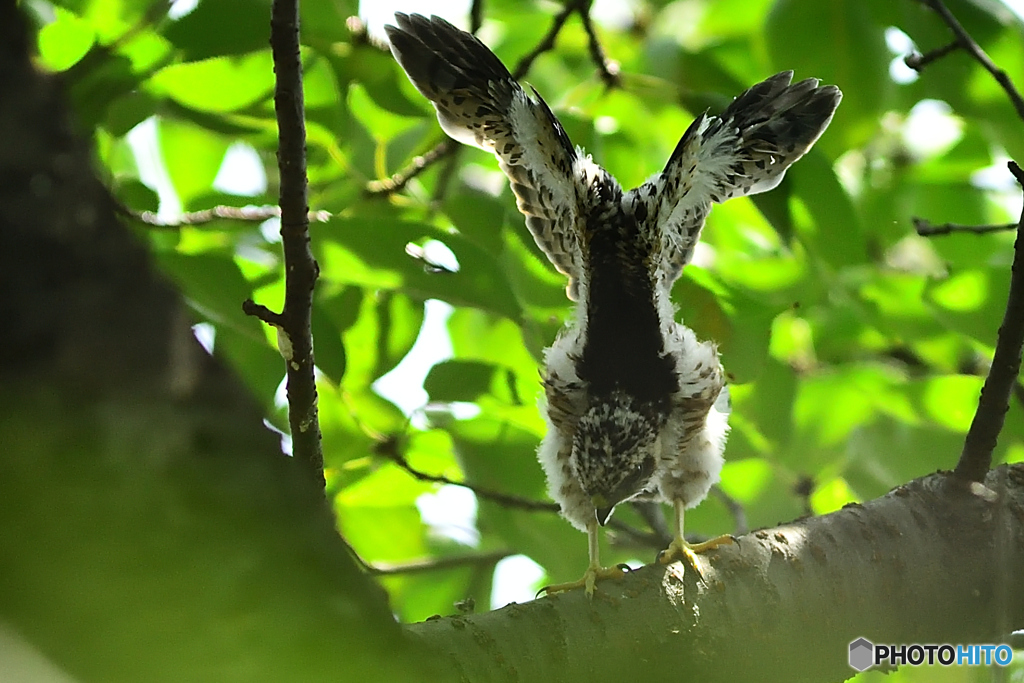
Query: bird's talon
589	580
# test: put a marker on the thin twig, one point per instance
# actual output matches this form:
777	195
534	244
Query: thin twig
360	35
246	214
927	229
739	515
548	42
976	457
803	488
390	447
918	61
654	516
419	164
301	270
609	69
250	307
966	42
438	563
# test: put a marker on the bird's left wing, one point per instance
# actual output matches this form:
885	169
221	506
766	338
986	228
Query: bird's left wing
746	150
479	103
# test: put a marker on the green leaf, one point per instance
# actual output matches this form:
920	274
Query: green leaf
478	282
203	85
329	351
65	40
192	157
841	43
215	289
459	380
136	196
224	27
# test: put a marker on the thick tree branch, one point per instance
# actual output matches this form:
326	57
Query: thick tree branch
976	457
301	270
783	604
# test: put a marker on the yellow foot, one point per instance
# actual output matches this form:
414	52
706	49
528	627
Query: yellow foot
589	579
680	549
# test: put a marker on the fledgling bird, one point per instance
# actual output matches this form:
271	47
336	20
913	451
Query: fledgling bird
635	404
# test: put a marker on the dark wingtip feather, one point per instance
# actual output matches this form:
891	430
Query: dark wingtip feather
439	57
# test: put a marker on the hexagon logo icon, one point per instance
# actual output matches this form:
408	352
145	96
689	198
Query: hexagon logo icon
862	654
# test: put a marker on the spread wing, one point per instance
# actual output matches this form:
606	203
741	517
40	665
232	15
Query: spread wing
746	150
479	103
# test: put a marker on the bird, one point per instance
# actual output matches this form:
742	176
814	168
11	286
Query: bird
636	406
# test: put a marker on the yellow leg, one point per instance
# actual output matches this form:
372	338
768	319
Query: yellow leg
680	549
594	572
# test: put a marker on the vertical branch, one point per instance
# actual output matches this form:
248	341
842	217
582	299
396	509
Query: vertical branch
295	337
476	16
976	457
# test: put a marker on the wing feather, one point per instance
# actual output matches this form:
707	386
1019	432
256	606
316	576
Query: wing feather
479	103
746	150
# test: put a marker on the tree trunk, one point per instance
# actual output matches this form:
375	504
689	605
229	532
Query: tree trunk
150	527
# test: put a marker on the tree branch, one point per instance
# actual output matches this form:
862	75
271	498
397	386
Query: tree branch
389	448
150	529
976	457
248	214
360	35
418	165
918	61
805	588
739	515
548	42
609	69
438	564
966	42
301	270
926	228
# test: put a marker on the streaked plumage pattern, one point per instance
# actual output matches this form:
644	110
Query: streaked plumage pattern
634	402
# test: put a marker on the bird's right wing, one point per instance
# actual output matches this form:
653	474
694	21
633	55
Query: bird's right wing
746	150
479	103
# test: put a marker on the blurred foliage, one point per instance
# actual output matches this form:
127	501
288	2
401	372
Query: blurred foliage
855	348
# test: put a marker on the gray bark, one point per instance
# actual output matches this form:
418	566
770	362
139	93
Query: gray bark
931	562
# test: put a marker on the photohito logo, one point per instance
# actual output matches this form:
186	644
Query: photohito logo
864	654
